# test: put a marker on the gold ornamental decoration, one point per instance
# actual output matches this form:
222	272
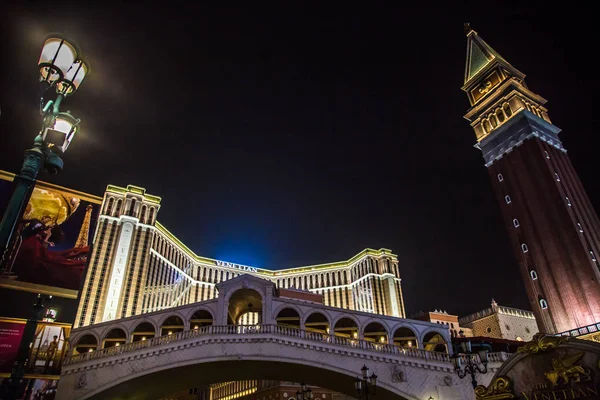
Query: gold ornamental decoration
499	388
542	343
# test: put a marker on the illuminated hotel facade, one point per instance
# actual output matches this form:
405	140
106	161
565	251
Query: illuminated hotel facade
137	266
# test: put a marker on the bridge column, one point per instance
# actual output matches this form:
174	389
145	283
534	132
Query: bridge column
268	317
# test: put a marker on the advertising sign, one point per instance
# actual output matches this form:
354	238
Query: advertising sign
10	337
49	250
48	349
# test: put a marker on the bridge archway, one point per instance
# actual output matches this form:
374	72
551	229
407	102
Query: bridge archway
159	383
86	343
201	318
289	317
435	341
375	332
317	322
171	325
143	331
346	327
245	307
405	337
114	338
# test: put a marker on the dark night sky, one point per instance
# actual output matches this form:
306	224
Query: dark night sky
286	137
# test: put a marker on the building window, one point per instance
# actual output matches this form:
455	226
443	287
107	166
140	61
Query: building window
543	304
524	248
568	201
593	256
500	178
516	223
557	177
533	275
506	108
507	199
580	227
547	155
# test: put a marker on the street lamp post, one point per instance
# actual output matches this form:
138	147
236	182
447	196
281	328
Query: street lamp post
471	367
60	68
305	393
367	384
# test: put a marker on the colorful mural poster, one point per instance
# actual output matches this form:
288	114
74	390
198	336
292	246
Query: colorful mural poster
10	337
42	389
50	246
48	349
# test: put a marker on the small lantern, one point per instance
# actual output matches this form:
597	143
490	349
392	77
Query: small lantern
299	395
373	380
56	58
73	78
483	356
60	135
365	371
309	394
466	346
358	385
456	361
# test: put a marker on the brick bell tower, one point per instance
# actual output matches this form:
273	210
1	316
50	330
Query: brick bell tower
553	228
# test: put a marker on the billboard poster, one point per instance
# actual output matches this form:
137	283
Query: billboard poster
49	249
10	338
42	389
48	349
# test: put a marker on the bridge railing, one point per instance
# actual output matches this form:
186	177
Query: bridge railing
261	329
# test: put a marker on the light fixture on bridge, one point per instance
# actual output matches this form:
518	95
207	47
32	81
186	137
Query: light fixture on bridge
367	384
472	366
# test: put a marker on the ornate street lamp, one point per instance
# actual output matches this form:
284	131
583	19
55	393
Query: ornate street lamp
305	393
472	366
62	69
367	384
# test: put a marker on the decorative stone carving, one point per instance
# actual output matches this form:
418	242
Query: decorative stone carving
499	388
542	343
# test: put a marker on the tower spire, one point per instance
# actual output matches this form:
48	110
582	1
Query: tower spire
82	238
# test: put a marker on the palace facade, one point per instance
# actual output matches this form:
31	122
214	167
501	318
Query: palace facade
137	266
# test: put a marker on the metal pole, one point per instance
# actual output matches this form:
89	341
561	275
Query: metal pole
23	187
18	371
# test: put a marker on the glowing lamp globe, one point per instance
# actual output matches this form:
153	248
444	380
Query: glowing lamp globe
59	136
56	59
71	81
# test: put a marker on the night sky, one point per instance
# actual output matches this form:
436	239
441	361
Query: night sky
283	137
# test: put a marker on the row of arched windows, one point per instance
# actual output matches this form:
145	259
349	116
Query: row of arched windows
115	208
496	118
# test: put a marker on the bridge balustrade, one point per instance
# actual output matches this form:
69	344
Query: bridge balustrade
262	329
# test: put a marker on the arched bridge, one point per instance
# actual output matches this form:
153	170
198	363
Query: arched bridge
153	355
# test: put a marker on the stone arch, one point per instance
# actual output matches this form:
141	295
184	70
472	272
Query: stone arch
86	343
115	337
110	201
163	380
375	331
143	330
107	329
246	300
405	336
434	340
312	322
347	326
199	318
289	317
172	324
295	307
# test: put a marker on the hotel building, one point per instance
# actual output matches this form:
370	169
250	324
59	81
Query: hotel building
137	266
